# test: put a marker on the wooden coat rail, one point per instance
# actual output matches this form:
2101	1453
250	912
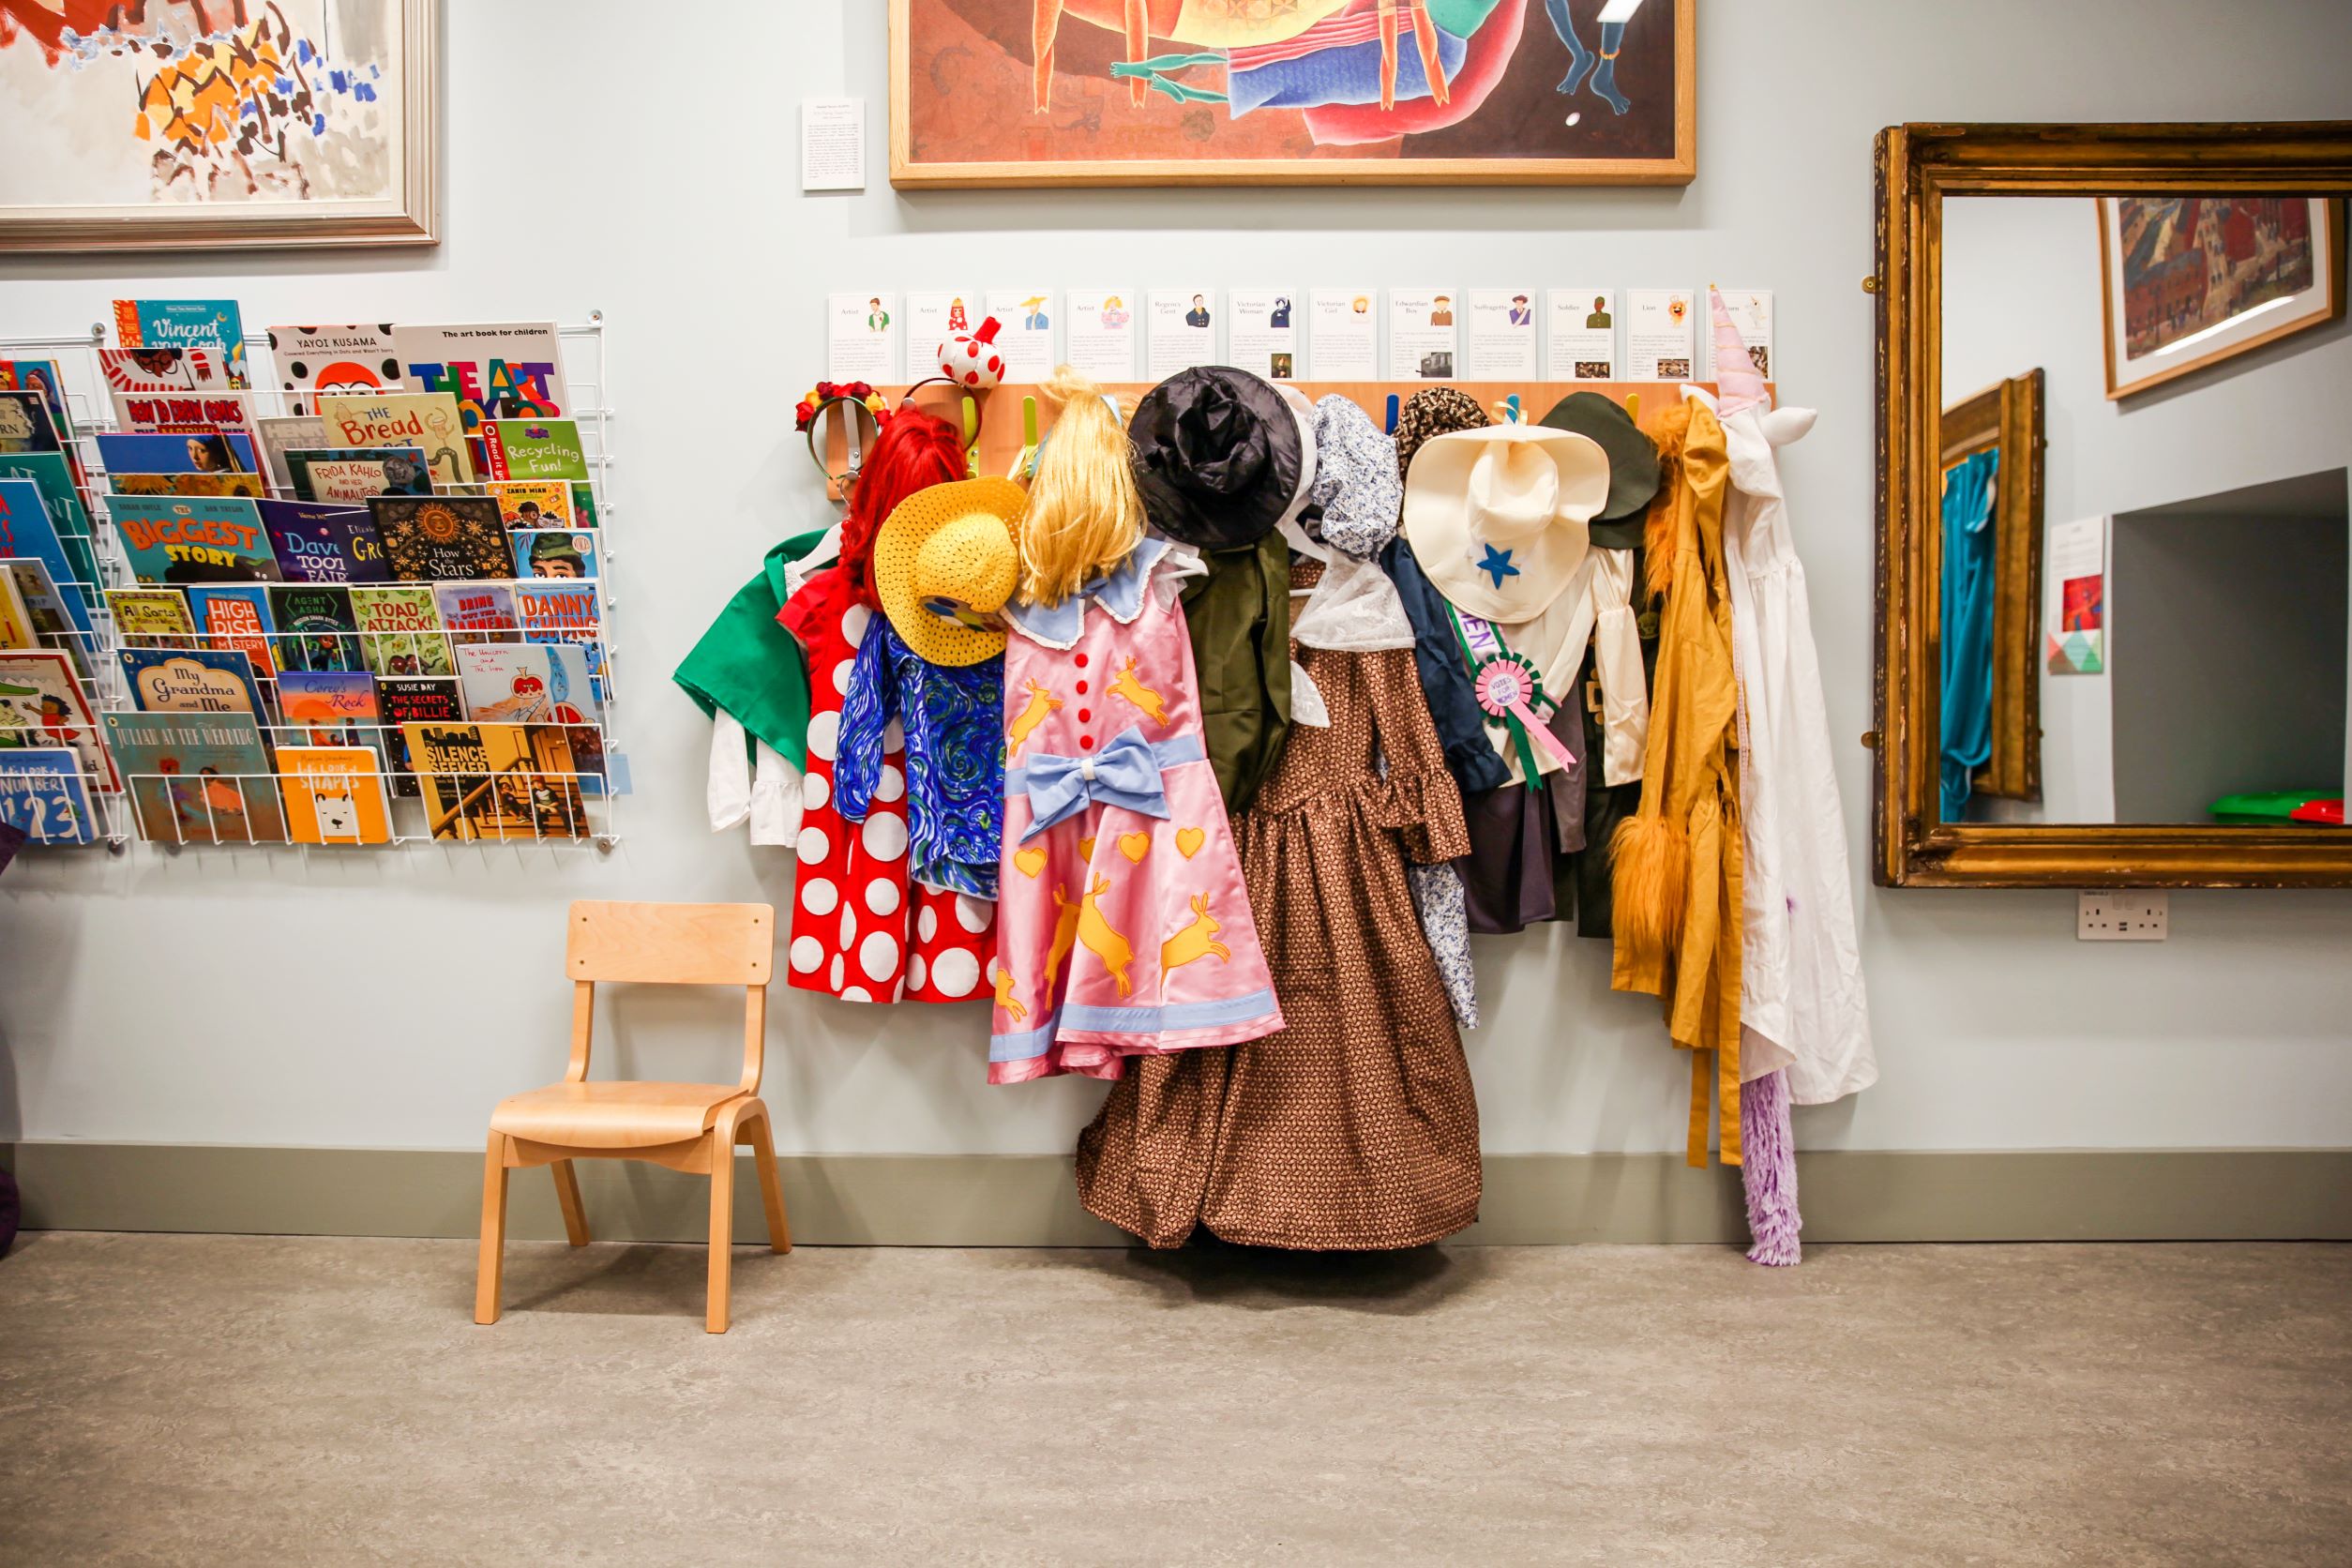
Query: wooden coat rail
1001	433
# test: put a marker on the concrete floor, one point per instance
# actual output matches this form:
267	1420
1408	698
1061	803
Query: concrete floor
201	1399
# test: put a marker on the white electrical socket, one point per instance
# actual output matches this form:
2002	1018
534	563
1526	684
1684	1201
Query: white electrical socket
2122	916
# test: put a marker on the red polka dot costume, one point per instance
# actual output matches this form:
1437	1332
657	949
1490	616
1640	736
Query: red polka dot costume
860	931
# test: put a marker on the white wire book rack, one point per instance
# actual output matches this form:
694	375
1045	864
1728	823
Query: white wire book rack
414	770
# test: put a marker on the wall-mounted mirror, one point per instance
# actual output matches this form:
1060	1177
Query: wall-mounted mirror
2115	558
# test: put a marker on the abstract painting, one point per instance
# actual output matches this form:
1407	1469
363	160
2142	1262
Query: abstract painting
2191	280
201	123
1292	92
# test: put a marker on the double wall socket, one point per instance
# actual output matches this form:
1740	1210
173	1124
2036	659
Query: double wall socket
2122	916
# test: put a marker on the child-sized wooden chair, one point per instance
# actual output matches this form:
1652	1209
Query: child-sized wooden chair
687	1126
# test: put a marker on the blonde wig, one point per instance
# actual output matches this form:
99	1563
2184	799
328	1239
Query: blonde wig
1085	515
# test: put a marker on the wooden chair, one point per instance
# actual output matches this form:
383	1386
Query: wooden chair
686	1127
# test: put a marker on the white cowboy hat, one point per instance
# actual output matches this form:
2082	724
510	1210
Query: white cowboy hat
1497	516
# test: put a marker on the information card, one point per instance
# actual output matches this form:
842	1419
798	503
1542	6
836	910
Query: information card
1751	311
1184	331
1662	334
931	320
1421	334
1098	327
1258	335
1026	339
1502	335
862	337
1580	334
1347	345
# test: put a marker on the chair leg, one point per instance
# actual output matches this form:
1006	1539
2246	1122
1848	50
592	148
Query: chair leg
493	1252
771	1190
722	1140
567	1198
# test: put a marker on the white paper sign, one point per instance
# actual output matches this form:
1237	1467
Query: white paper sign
1258	336
1421	336
833	145
1661	334
862	337
1502	335
1751	311
1580	334
1347	344
1184	331
1027	337
931	320
1098	327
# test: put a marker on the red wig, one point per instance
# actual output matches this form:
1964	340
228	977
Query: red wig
915	450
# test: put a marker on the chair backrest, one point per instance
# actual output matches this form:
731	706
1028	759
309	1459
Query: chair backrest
672	944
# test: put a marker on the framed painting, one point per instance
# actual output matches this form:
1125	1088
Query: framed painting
2188	281
1292	92
202	124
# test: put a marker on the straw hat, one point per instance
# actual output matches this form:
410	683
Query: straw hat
945	564
1498	517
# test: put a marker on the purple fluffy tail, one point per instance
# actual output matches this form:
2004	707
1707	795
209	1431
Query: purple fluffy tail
1768	1172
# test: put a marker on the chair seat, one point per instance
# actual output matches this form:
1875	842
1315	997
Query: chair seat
613	1114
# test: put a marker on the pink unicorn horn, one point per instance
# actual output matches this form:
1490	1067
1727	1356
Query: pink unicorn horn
1737	384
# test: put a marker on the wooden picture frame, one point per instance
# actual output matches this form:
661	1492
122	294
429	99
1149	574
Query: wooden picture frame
2280	315
1006	141
2007	417
1917	166
406	214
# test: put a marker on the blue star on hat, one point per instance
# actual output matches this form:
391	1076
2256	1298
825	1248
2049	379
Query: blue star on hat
1496	565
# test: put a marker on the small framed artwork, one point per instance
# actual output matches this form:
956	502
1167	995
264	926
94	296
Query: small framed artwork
1292	92
2188	281
299	122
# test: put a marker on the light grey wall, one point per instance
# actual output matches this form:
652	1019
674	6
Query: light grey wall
2229	676
603	156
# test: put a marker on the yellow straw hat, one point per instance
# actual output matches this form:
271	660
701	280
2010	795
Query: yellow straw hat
945	564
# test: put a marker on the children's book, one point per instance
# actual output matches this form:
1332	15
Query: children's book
43	796
332	707
198	778
151	617
236	615
185	539
331	476
406	699
192	681
441	538
29	586
400	630
26	534
573	702
41	705
248	485
318	543
334	794
59	487
316	628
314	360
527	504
427	420
194	451
231	414
505	683
498	781
477	612
279	434
550	611
16	618
531	449
158	323
41	376
552	553
496	369
27	425
200	367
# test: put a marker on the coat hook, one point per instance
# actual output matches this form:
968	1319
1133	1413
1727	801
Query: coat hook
1392	414
1632	407
1513	402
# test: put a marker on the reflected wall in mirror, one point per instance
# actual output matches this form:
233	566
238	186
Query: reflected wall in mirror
2115	558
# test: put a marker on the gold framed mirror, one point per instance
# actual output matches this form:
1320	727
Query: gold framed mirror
2180	719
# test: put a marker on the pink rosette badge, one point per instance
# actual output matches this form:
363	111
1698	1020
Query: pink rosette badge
1509	690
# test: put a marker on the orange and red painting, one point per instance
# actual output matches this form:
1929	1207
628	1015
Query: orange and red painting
1337	92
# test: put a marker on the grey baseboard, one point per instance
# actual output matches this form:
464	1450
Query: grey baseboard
1028	1199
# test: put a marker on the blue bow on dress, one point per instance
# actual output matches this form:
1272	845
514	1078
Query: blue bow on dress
1126	773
